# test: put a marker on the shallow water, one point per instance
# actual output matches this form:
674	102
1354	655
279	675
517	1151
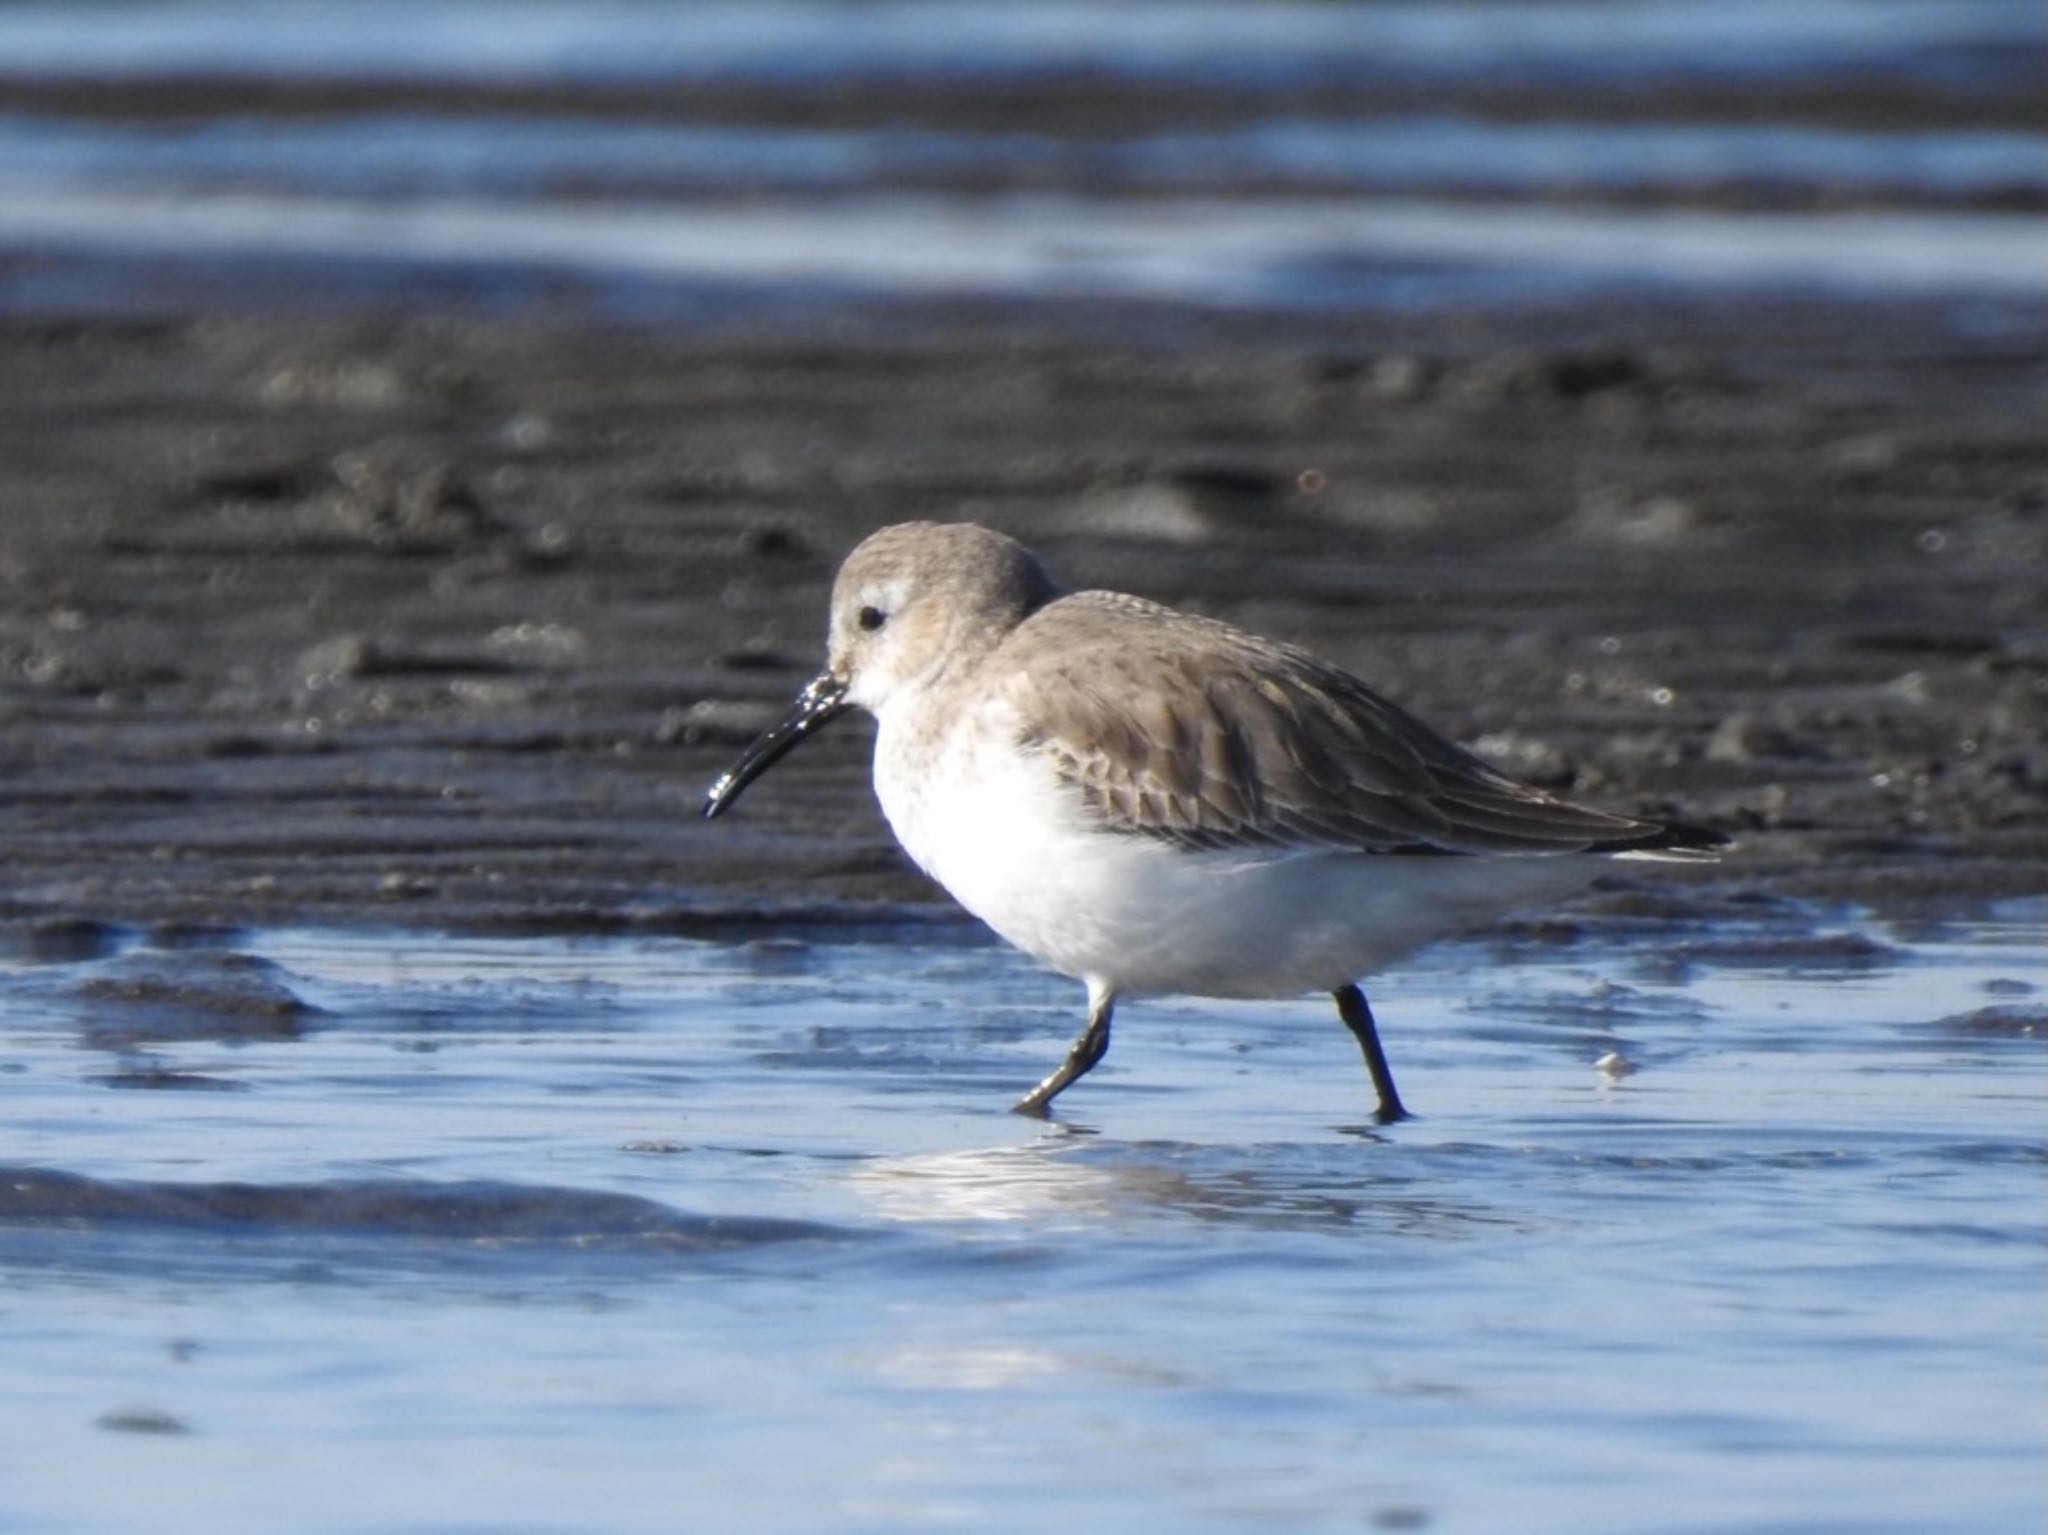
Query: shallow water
1295	39
1293	255
1321	156
343	1232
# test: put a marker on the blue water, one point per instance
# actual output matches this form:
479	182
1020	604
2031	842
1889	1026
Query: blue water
638	1236
412	155
1295	180
525	40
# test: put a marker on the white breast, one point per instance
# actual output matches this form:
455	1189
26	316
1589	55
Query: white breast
994	826
983	818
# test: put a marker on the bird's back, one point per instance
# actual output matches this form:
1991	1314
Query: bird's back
1195	733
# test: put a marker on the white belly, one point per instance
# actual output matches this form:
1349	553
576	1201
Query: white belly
1138	916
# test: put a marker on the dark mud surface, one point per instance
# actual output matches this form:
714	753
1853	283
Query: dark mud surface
371	620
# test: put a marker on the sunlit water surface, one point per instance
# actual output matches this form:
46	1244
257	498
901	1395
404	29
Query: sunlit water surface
646	1236
1293	180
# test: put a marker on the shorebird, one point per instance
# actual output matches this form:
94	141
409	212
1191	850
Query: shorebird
1158	803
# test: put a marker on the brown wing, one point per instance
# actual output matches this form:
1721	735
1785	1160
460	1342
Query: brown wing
1198	734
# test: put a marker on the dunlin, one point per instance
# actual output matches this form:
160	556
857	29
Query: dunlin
1153	802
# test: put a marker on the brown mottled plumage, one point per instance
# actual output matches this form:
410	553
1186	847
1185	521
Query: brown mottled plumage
1206	737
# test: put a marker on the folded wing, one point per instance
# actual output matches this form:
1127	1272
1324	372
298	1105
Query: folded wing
1203	736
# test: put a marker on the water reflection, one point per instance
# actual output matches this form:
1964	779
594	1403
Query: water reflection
1070	1179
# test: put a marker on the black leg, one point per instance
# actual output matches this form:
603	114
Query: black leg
1357	1015
1091	1047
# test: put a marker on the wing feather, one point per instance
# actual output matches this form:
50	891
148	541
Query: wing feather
1199	735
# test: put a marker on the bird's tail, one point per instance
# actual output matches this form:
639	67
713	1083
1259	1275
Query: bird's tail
1674	842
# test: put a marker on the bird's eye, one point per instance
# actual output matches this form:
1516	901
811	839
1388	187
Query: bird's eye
871	619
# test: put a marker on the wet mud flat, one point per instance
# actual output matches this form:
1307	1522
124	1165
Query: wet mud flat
374	618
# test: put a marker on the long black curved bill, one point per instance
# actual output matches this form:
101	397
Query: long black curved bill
823	697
